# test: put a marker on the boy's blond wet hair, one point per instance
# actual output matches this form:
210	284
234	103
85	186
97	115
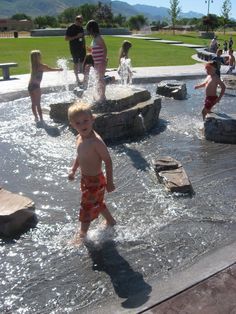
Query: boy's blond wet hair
77	108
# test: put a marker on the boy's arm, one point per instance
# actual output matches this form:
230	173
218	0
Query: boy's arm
74	167
105	156
203	84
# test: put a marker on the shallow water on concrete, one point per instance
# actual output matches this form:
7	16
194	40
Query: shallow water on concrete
157	232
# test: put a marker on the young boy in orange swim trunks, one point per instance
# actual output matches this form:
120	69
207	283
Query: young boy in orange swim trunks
211	83
91	152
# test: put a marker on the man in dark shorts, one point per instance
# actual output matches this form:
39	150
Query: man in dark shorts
75	36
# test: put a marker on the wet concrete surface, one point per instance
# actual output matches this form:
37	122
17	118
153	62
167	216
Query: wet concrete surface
215	295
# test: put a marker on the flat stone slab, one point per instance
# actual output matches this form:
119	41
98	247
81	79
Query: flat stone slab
189	45
171	173
16	213
170	42
220	128
124	98
172	88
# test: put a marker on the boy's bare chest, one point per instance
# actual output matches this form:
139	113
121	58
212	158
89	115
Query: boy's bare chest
85	151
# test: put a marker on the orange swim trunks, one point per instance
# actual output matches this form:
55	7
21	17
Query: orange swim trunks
92	200
210	101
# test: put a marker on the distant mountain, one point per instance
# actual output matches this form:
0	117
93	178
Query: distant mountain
151	12
35	8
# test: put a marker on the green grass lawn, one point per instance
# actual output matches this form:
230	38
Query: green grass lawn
192	37
143	53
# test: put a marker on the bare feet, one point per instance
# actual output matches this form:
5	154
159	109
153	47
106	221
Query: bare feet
77	240
107	224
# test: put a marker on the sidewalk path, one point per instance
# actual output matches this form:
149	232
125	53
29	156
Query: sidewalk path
16	87
164	41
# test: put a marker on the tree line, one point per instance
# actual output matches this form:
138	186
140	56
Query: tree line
102	13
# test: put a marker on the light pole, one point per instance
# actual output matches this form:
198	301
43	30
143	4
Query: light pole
208	5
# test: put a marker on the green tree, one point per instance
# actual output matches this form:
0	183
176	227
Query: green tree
226	8
21	16
104	14
88	11
210	21
68	15
174	12
119	20
46	21
137	22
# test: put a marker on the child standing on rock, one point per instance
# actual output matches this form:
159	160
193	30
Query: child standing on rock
211	83
231	62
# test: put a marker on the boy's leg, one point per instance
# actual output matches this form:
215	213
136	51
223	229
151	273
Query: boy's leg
204	113
79	236
84	229
109	219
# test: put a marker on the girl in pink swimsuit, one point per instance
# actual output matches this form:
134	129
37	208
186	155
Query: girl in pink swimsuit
99	54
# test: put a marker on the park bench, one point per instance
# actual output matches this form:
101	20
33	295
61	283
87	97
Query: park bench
5	69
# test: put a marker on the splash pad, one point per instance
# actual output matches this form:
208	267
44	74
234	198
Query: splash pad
157	234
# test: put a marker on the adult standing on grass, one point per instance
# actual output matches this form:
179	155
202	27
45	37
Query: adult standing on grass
75	36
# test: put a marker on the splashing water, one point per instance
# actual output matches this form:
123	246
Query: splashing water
142	121
125	71
156	232
63	76
91	92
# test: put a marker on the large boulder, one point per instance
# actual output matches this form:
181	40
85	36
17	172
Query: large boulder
230	81
220	128
128	123
172	88
128	112
16	214
171	173
124	98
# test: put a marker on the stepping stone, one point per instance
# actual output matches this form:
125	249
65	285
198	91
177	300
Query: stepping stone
16	214
220	128
172	88
171	173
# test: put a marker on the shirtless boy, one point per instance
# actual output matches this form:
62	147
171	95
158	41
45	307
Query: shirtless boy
231	61
91	152
211	83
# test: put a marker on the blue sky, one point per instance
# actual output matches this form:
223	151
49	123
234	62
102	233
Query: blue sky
190	5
